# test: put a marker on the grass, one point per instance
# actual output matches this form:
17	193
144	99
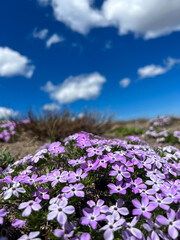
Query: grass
127	131
56	126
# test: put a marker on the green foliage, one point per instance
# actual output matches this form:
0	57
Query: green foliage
127	131
5	159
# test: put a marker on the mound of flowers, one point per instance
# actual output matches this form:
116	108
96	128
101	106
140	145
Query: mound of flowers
8	129
92	188
162	135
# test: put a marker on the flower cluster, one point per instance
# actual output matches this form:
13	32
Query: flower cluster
8	129
93	188
160	121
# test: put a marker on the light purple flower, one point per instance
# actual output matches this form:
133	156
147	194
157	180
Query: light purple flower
119	188
76	176
153	228
18	223
91	217
120	172
137	184
173	225
160	201
29	206
143	208
72	190
2	214
14	190
66	232
58	177
131	230
111	227
117	210
100	204
60	210
31	236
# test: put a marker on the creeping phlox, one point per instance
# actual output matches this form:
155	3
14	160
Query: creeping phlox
162	135
8	129
93	188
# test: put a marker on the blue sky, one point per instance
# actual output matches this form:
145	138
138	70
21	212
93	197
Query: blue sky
110	55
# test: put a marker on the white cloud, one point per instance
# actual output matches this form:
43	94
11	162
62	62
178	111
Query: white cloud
12	63
42	34
7	113
79	15
125	82
87	86
55	38
51	107
154	70
147	18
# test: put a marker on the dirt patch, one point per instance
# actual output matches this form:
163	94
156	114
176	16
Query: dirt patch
24	145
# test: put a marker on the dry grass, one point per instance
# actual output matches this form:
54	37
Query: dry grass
55	126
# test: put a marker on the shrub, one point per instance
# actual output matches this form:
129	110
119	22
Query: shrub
58	125
93	188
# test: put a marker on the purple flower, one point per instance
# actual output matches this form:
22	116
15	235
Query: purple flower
72	190
120	172
55	148
160	201
60	210
111	227
153	229
90	165
31	236
137	184
58	177
77	161
117	210
76	176
119	188
41	194
173	225
143	208
2	214
84	236
92	217
131	230
94	151
19	223
100	204
14	191
66	232
29	206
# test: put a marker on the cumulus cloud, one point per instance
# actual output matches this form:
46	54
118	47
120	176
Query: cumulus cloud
12	63
125	82
42	34
128	16
152	70
51	107
79	15
85	86
55	38
7	113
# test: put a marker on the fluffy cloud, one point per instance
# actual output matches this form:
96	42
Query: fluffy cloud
154	70
12	63
79	15
87	86
51	107
125	82
7	113
42	34
128	16
55	38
